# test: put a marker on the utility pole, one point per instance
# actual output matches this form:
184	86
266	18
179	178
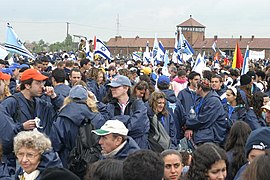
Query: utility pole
67	28
117	25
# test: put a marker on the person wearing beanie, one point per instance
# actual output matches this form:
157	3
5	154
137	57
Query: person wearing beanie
257	143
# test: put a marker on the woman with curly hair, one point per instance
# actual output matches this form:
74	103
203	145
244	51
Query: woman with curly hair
34	153
95	82
235	147
156	109
208	162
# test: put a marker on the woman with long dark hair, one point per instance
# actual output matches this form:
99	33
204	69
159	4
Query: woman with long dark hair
235	147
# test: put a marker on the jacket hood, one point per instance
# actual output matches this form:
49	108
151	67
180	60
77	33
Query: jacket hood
49	159
170	96
77	112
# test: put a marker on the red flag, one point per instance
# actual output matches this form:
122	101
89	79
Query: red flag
237	57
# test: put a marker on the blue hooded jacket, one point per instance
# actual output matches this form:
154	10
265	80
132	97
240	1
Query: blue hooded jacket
135	119
176	109
98	90
48	159
168	124
62	89
44	110
241	113
65	128
210	122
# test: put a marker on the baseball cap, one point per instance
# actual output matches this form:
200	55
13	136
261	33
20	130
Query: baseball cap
163	80
78	92
33	74
4	76
146	70
120	80
7	71
258	139
112	126
14	66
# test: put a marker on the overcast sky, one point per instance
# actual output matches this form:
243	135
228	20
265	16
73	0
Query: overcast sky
33	20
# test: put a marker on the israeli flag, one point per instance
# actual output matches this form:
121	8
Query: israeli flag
136	56
3	52
160	53
214	46
245	68
146	54
176	51
222	53
185	46
155	49
14	44
199	64
102	50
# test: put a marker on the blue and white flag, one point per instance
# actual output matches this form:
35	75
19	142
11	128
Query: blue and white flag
14	44
199	64
155	50
185	46
3	52
222	53
136	56
176	51
146	54
166	58
214	46
245	67
101	49
160	53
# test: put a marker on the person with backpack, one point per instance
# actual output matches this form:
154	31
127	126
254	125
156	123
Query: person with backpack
114	140
174	106
78	108
157	111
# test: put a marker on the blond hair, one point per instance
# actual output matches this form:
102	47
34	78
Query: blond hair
32	139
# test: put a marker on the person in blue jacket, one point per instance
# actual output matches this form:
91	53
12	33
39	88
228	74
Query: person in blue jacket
93	83
188	95
78	107
58	80
237	110
131	111
218	86
157	107
26	105
208	124
34	153
4	170
257	143
173	105
114	140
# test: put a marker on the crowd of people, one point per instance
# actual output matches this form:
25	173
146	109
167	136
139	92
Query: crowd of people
152	121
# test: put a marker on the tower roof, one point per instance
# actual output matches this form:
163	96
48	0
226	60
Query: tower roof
190	23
